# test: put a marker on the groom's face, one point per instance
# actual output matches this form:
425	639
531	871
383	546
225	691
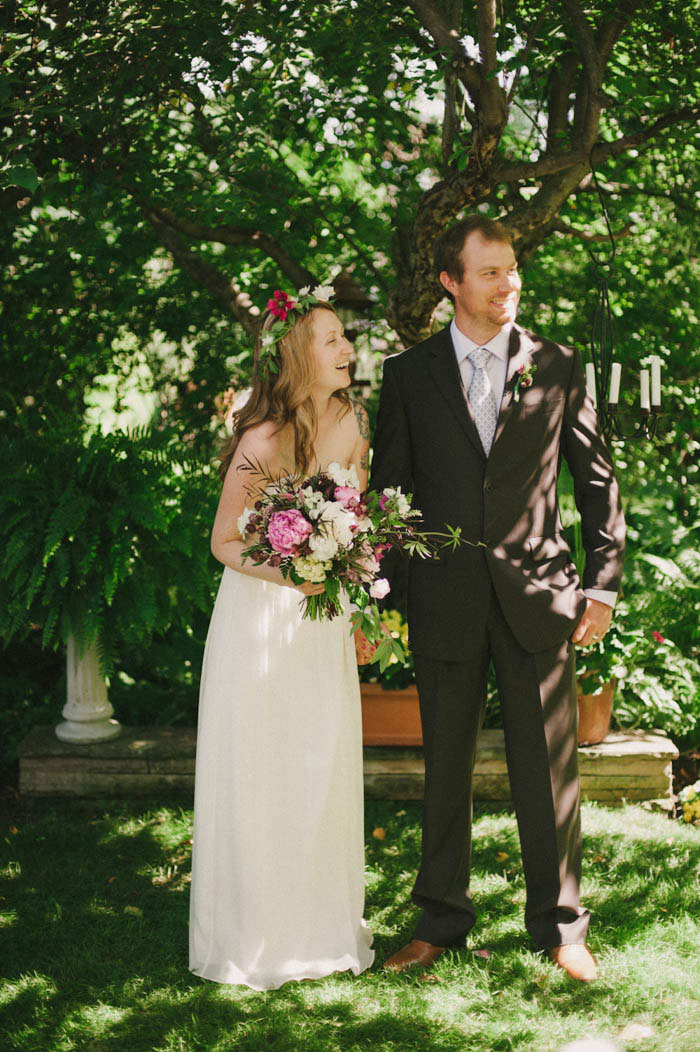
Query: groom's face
488	292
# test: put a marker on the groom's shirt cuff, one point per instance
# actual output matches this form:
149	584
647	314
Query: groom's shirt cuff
602	596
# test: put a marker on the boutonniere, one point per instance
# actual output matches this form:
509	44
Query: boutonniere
523	379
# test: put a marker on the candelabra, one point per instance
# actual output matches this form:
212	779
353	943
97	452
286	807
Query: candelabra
603	374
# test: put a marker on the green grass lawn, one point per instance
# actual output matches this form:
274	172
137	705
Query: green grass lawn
94	909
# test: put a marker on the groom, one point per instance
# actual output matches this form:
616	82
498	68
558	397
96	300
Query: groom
474	422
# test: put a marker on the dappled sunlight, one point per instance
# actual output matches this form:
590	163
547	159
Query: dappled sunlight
93	976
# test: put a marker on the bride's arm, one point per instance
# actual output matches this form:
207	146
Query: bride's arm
360	454
256	445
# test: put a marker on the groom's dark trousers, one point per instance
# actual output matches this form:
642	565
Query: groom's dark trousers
513	601
538	705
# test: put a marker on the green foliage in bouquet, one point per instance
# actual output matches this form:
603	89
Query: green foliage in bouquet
393	667
103	537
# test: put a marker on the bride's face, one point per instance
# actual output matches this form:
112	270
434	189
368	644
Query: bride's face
330	351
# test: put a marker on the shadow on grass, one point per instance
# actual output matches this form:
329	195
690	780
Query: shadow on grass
96	899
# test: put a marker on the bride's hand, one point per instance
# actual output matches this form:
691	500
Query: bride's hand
309	588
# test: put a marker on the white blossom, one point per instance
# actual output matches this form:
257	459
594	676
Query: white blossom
305	291
313	501
243	520
323	546
341	522
402	505
343	476
311	569
323	292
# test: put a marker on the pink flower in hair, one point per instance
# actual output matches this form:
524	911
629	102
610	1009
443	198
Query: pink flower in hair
280	305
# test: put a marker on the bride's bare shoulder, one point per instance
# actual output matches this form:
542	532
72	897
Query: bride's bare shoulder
260	437
259	455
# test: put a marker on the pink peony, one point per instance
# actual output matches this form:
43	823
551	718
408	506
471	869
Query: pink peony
286	530
379	588
347	495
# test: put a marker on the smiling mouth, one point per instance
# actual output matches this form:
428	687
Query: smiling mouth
345	366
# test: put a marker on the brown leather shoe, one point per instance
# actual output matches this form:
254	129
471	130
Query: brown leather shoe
577	960
417	954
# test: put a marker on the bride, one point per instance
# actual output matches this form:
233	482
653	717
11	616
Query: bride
278	846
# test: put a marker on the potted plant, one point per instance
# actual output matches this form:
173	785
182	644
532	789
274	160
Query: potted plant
390	712
596	681
99	551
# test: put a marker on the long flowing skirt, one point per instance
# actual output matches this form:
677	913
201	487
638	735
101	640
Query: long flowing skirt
278	847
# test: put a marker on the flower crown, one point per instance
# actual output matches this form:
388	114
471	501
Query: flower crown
286	311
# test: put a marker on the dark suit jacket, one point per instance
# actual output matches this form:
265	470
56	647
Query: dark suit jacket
427	443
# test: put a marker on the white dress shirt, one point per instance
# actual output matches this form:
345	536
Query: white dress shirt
496	370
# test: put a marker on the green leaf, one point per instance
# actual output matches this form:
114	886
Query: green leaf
23	175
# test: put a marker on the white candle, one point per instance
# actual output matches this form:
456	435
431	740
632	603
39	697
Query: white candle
590	381
615	375
644	390
655	381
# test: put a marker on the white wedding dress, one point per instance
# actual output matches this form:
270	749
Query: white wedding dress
278	845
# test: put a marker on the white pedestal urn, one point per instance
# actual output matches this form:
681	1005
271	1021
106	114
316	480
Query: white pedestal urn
87	712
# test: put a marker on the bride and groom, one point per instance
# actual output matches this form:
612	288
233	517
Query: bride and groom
474	422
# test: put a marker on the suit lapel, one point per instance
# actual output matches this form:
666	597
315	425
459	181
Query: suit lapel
445	372
520	349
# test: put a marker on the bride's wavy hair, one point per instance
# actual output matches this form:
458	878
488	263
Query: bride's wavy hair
283	397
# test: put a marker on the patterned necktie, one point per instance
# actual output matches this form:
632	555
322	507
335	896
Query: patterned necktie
481	397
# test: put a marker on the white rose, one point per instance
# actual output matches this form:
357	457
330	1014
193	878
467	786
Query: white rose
305	291
343	476
340	521
324	548
323	292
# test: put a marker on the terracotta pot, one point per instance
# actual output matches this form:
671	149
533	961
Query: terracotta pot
390	717
594	712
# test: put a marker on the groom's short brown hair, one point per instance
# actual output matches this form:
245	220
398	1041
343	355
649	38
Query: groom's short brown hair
450	243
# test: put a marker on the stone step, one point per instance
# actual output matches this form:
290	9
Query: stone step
628	765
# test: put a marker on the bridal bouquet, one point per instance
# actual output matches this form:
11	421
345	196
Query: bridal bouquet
322	529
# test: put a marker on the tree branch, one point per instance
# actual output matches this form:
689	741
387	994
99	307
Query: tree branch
550	164
487	21
492	107
450	120
561	85
611	31
447	39
233	235
421	42
668	120
563	228
587	46
531	37
233	299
